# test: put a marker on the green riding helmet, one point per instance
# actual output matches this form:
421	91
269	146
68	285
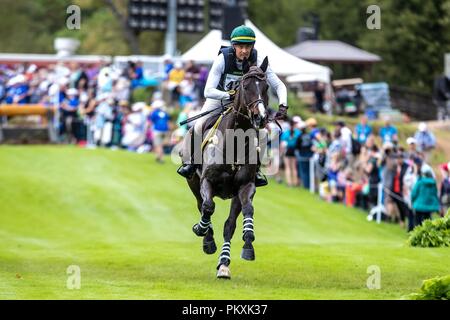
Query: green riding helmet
243	34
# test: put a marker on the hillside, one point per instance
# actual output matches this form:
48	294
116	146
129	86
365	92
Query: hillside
126	222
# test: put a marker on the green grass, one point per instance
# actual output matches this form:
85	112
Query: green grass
126	222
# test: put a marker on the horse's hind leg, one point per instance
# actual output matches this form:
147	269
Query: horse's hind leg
228	231
246	194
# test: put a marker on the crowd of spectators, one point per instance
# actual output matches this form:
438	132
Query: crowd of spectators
95	104
365	169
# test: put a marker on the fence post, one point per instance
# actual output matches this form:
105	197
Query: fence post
380	202
55	121
312	175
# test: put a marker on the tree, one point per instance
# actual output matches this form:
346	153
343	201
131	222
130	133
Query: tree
127	32
28	26
412	41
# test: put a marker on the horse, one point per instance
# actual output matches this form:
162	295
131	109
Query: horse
233	179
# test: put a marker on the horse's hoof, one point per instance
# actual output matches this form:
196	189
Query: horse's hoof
248	254
224	272
209	247
199	231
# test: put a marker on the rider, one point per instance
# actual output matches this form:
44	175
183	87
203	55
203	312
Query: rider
226	71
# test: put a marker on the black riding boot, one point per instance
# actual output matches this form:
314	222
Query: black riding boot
188	167
260	179
187	170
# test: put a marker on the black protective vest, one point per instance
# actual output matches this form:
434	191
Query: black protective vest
231	72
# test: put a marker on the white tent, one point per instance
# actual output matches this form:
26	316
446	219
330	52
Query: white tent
309	77
282	62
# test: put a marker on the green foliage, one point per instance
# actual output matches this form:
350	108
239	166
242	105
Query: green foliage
281	26
437	288
412	41
174	113
100	33
432	233
29	26
142	94
296	106
152	42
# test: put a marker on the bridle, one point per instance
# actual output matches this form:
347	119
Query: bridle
248	106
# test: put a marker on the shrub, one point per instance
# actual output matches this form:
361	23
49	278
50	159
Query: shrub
142	94
433	289
432	233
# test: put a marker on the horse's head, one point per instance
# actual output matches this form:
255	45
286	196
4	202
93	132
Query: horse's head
252	98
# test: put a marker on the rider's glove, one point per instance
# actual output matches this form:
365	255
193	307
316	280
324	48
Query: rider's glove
282	112
232	94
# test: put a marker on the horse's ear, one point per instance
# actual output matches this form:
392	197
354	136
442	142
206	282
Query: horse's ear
265	64
245	66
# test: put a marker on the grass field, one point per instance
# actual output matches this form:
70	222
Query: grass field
126	222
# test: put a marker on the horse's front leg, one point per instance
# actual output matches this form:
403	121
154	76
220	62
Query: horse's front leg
207	209
228	231
209	245
246	194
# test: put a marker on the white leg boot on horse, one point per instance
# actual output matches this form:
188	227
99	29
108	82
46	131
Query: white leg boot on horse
228	232
246	196
204	227
209	244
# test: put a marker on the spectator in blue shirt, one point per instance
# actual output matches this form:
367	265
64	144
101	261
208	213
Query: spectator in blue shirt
311	123
71	102
135	73
168	65
17	90
289	141
389	133
2	88
69	113
363	130
160	120
425	140
305	153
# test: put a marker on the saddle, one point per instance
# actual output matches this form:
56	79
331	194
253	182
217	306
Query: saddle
211	124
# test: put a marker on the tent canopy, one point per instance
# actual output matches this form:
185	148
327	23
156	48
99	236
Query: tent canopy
281	62
331	51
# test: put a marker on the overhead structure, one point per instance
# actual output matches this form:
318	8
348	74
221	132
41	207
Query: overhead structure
281	62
